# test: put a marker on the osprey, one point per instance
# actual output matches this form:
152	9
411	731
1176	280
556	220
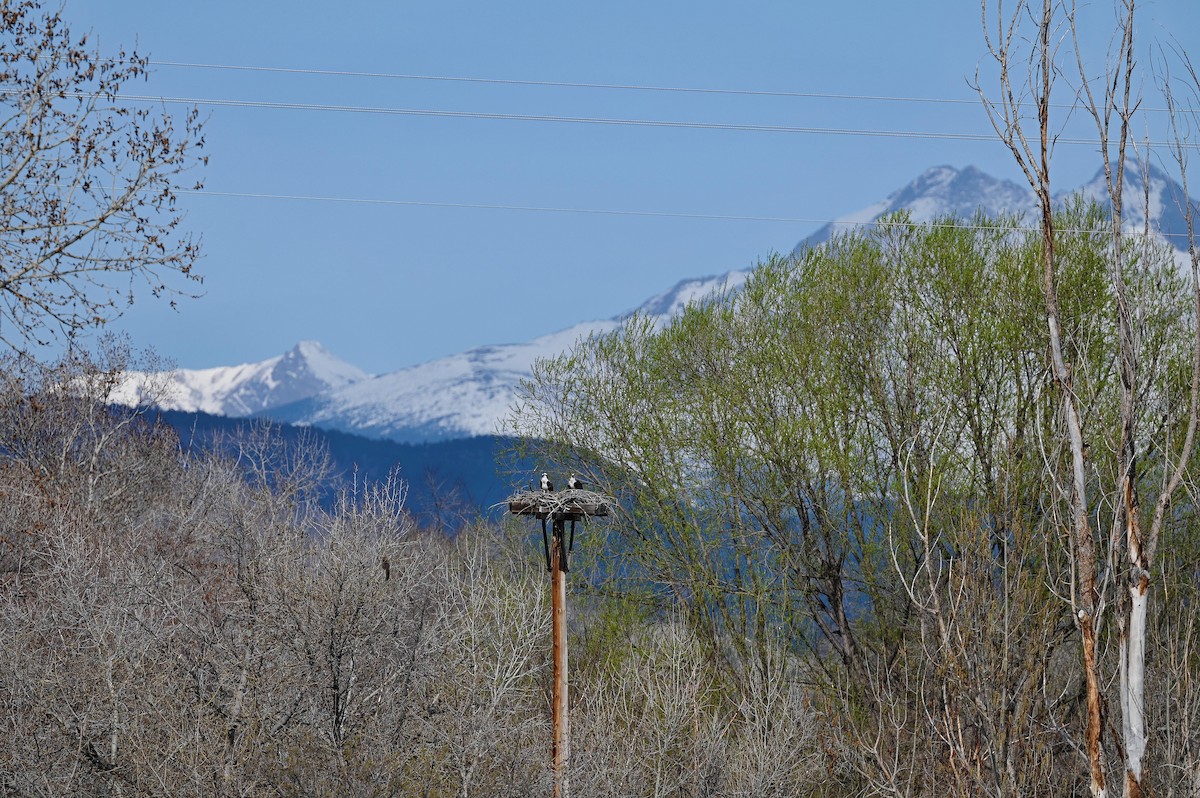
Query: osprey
574	484
547	485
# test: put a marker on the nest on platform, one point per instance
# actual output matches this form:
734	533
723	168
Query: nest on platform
570	504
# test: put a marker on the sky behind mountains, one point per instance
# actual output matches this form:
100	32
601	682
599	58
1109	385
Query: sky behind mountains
407	266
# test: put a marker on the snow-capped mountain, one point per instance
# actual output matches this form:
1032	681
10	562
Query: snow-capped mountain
1152	190
939	191
251	388
452	397
470	393
667	304
944	191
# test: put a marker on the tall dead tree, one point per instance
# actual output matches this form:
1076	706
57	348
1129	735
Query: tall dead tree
1033	157
1115	105
1111	102
1143	557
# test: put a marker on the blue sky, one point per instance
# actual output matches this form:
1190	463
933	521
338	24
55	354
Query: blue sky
386	286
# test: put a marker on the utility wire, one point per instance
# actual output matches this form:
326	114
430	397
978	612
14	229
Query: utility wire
596	120
963	225
565	84
584	120
811	95
429	112
500	207
587	120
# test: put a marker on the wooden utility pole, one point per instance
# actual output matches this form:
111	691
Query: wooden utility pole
559	508
561	749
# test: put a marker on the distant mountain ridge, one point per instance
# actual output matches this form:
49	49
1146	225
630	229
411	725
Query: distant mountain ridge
305	370
469	394
939	191
459	396
447	482
946	191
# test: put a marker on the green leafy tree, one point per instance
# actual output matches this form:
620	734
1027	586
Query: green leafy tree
850	451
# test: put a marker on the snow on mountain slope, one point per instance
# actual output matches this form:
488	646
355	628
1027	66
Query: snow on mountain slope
685	292
470	393
1149	193
244	390
453	397
939	191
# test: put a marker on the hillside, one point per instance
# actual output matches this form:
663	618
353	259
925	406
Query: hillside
449	482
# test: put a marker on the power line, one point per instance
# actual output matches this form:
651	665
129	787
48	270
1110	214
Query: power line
597	120
613	212
502	207
488	115
585	120
565	84
607	121
810	95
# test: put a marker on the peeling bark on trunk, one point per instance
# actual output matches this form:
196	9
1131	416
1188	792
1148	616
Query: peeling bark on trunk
1133	654
1094	713
1083	542
1132	650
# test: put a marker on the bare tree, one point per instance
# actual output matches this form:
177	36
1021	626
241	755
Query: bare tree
1146	423
1116	99
87	183
1032	151
485	709
1177	683
660	720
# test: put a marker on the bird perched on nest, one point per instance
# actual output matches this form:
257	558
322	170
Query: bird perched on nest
574	483
547	485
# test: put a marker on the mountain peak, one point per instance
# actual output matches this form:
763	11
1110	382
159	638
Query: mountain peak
938	191
1135	170
945	190
938	175
309	348
306	369
469	393
251	388
1150	196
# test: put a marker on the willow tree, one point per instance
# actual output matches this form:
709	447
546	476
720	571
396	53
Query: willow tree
850	451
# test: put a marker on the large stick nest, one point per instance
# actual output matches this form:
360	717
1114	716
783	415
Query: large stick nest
571	502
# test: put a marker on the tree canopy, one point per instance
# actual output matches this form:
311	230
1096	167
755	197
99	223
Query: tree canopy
88	183
857	452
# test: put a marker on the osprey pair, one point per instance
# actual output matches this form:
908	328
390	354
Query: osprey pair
573	482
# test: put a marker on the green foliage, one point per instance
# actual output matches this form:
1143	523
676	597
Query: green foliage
857	452
836	567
